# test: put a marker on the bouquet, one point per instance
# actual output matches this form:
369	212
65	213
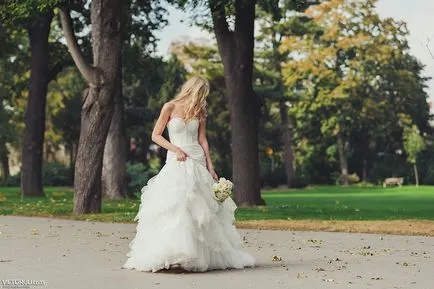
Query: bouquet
222	189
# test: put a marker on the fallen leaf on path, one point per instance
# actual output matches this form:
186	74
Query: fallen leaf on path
99	234
328	280
376	278
276	258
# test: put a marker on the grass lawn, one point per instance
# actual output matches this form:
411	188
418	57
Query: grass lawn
315	203
351	203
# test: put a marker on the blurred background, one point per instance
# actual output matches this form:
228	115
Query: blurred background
345	91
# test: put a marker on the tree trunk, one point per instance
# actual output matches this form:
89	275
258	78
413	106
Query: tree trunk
72	152
284	119
4	161
416	174
114	173
287	143
98	102
34	119
365	171
244	135
69	149
343	160
236	50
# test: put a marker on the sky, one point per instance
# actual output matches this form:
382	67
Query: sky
418	14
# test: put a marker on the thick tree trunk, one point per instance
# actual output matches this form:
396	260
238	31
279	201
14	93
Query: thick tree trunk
236	50
114	172
34	119
343	160
95	122
416	174
98	102
287	143
244	135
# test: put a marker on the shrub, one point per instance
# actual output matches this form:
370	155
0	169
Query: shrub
275	177
53	174
13	181
353	179
364	185
299	181
139	174
429	177
57	174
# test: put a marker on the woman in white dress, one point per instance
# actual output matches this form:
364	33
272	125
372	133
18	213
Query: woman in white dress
180	224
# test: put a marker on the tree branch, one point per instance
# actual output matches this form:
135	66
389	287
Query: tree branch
429	49
89	73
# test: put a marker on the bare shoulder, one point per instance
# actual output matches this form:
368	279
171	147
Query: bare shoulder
168	107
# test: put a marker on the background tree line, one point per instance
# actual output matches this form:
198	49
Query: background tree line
322	93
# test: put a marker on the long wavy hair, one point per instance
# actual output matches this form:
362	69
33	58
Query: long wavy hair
193	95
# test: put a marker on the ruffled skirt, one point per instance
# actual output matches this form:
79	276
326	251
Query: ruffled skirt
180	223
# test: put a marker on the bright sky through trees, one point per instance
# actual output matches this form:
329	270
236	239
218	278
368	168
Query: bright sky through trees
418	16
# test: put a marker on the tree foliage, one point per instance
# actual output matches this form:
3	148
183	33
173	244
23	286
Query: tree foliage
413	143
353	79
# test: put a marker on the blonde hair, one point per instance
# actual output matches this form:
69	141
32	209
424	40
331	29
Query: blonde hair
193	94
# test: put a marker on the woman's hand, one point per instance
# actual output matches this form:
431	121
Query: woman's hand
180	155
213	174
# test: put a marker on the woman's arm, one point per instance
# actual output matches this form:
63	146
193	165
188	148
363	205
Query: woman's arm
204	144
159	129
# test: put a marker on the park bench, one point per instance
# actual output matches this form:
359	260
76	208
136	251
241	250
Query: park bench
393	181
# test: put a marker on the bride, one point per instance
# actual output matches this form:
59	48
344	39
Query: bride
180	224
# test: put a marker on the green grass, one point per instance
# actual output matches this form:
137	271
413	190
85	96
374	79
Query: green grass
316	203
58	202
339	203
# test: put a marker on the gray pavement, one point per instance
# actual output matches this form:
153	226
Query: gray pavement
78	254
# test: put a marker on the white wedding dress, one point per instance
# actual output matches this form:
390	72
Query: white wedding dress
179	221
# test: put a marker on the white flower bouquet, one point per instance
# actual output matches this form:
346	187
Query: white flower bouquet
222	189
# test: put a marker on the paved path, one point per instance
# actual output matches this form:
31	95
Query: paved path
78	254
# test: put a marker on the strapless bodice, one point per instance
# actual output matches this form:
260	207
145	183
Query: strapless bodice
185	135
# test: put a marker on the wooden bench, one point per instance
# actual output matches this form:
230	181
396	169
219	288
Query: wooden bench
393	181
